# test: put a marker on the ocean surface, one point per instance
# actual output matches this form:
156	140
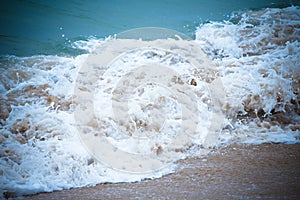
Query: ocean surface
50	27
231	76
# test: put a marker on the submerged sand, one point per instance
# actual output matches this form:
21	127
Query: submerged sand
267	171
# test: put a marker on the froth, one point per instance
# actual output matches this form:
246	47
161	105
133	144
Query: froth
258	56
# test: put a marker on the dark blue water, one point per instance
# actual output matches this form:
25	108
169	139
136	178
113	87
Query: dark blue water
48	27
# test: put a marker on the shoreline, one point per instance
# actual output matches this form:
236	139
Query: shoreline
267	171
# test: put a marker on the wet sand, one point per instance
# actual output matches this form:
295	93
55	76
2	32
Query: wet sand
268	171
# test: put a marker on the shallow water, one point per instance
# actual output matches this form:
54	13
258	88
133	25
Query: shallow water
267	171
255	55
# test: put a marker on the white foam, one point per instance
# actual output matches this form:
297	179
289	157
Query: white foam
53	158
256	60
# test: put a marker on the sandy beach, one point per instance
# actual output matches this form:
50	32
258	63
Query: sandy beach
267	171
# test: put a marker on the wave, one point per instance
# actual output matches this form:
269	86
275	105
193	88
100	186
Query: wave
255	55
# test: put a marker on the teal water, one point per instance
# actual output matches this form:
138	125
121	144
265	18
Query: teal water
49	27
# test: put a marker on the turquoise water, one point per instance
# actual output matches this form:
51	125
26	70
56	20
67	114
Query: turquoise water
48	27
